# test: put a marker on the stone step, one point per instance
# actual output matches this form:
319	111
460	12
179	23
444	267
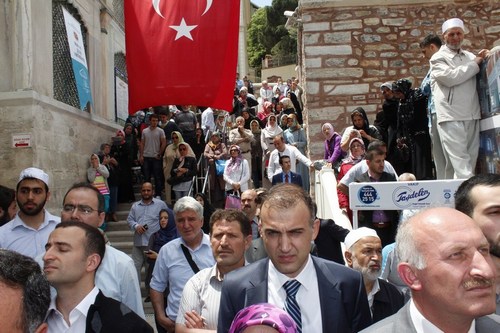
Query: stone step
120	236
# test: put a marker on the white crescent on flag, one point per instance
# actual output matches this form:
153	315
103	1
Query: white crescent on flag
156	6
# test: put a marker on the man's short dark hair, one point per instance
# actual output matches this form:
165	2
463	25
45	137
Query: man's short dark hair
371	154
282	157
232	215
376	145
95	242
21	272
463	200
104	145
431	39
283	196
154	115
88	186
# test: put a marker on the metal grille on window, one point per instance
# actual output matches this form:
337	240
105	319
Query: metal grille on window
118	12
64	78
121	66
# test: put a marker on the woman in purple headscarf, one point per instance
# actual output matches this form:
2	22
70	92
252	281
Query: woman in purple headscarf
333	152
236	172
264	316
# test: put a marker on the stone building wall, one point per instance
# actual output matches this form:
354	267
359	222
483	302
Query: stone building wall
348	49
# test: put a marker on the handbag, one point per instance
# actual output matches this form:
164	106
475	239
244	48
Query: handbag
219	167
233	200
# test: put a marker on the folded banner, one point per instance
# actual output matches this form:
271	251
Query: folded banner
181	52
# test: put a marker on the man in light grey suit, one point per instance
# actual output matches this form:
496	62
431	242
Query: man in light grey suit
445	260
288	226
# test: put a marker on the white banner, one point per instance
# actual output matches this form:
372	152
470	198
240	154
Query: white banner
78	59
403	195
121	90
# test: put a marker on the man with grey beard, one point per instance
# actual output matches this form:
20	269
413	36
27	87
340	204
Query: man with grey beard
445	261
364	254
453	85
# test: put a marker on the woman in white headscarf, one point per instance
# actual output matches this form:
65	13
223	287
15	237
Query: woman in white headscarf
266	140
237	171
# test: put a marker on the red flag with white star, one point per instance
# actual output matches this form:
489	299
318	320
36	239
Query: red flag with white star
181	52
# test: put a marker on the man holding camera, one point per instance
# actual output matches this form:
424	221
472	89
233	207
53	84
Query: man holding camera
143	219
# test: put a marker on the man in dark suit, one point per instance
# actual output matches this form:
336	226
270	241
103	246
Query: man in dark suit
364	254
74	252
286	176
446	263
291	278
383	221
328	241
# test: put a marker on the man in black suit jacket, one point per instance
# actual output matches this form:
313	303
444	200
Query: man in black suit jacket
286	176
364	254
384	221
288	226
73	254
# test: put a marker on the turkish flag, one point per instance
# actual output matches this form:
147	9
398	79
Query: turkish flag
181	52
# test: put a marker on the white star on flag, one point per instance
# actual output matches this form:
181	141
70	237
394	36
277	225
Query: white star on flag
183	30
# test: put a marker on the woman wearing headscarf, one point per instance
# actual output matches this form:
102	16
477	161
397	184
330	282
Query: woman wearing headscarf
127	160
288	107
295	136
296	104
266	110
356	155
8	207
215	150
263	317
97	175
237	171
171	153
266	140
256	154
333	152
208	210
183	170
360	122
167	232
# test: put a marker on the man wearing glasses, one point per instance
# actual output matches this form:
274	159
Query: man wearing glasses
116	276
29	231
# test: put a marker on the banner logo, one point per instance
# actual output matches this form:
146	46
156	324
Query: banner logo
404	197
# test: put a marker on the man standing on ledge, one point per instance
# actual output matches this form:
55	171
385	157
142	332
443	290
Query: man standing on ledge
453	84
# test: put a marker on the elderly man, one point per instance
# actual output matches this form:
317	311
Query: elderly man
446	263
28	232
453	83
364	254
243	138
24	294
249	208
479	197
178	261
291	278
73	254
230	236
116	276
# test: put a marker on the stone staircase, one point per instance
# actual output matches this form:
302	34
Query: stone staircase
121	238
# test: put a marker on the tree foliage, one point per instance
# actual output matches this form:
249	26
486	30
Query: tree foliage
267	33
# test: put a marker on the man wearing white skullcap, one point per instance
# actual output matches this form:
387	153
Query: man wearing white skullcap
29	231
453	84
364	254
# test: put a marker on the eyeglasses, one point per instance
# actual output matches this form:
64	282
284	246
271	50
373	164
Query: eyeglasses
83	209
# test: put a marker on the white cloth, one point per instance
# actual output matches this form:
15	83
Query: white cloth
308	294
202	294
172	270
422	325
17	236
294	154
266	94
77	316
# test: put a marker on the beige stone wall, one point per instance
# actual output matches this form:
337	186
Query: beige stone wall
348	49
62	137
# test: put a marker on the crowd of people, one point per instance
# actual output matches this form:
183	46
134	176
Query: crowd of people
264	264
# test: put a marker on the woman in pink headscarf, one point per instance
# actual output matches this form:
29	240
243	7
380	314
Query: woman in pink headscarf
265	111
333	152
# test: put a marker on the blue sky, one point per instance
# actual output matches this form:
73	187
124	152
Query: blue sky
262	3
